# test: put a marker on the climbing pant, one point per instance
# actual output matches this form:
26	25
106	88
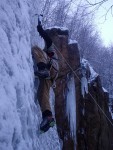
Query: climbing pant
39	55
45	84
43	94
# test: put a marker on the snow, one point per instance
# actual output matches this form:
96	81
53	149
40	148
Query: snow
57	27
35	38
84	86
71	106
84	81
104	90
111	112
93	74
72	42
52	100
85	65
19	115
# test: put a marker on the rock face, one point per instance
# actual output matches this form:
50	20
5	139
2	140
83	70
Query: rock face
93	129
71	54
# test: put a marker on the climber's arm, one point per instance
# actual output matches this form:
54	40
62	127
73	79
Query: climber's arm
45	36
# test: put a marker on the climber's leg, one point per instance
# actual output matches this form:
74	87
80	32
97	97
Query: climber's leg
43	97
44	89
43	94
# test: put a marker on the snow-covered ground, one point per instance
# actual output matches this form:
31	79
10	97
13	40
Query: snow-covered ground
19	115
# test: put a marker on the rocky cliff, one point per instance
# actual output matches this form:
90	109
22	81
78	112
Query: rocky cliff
93	130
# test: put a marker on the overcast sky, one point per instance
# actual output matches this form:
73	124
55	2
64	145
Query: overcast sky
105	24
103	21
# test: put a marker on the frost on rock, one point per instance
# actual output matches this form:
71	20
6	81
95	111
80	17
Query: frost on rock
19	115
72	42
111	105
71	106
36	39
86	65
84	81
52	100
93	74
110	110
104	90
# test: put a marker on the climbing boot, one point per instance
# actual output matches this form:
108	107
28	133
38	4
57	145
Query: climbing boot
43	71
46	123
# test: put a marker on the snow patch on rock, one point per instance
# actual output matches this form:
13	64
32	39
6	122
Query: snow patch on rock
93	74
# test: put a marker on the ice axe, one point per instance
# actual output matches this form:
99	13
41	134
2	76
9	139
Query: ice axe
39	18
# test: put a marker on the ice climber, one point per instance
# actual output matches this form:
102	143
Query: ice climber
47	63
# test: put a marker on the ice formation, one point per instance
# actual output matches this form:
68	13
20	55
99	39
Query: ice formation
71	106
19	115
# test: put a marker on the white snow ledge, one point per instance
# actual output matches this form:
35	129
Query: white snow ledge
57	27
72	42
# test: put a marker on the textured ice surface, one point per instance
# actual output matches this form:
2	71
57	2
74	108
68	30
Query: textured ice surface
19	115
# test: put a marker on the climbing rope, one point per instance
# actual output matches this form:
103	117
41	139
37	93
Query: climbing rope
88	92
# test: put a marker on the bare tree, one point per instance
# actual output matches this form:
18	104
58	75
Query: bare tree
99	4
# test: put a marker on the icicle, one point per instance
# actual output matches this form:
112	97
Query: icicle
84	86
84	81
71	106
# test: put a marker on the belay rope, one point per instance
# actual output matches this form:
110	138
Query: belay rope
88	92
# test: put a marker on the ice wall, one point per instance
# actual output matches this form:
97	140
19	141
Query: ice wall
19	116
